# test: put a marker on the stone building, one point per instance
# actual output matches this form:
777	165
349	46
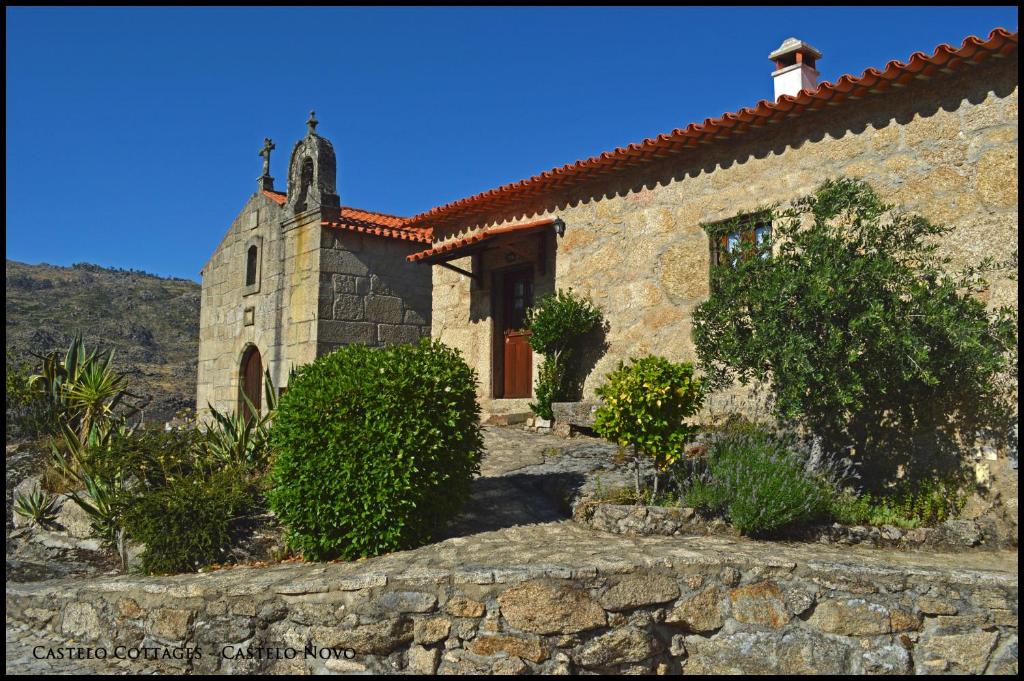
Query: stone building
298	275
936	135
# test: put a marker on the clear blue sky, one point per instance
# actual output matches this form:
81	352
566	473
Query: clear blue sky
132	134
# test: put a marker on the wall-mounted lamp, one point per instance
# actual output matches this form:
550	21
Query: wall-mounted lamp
559	226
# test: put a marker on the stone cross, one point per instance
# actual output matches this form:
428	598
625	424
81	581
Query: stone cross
268	147
312	122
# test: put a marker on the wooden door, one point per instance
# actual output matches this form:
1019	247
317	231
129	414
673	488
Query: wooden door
517	357
251	382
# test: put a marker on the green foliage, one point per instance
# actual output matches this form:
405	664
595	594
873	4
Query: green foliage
131	483
550	381
558	323
145	484
761	483
186	525
37	506
25	409
231	438
923	504
858	330
643	408
81	390
375	449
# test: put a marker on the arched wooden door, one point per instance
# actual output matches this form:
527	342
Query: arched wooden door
251	375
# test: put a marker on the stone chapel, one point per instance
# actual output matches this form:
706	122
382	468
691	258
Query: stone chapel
298	275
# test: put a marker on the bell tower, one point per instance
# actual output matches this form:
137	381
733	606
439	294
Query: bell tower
311	174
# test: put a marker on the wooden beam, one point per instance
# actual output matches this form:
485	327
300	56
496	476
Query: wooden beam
461	271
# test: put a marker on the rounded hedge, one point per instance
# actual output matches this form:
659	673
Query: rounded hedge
375	449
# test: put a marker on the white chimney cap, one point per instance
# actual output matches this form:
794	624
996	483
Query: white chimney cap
793	45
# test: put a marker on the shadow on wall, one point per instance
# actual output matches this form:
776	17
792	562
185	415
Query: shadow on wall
593	346
922	441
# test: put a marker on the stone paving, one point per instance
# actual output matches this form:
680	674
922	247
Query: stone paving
513	531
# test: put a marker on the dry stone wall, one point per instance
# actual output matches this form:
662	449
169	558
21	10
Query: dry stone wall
702	614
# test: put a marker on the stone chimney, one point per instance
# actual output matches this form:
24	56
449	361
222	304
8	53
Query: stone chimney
794	67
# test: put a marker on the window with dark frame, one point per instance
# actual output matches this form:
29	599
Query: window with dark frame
250	265
754	229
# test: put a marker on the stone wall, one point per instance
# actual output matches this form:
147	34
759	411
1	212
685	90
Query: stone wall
692	609
277	315
946	148
369	293
317	288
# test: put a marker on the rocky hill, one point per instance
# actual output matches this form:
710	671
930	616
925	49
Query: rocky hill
152	323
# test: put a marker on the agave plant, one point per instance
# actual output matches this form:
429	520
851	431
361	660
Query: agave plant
233	438
82	389
97	494
96	392
38	507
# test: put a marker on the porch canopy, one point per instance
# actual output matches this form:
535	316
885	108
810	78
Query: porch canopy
485	239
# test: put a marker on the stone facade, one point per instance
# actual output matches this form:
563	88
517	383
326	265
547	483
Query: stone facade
318	284
369	293
945	148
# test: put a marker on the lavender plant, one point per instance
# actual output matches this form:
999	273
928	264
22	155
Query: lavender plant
764	482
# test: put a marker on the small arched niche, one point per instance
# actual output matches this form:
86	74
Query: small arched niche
253	265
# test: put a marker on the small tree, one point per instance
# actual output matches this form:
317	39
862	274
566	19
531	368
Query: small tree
558	322
643	407
855	325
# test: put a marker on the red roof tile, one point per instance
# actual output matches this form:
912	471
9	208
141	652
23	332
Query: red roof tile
945	59
366	222
476	237
379	224
277	197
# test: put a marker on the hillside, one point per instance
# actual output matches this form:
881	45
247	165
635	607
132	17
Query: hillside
151	322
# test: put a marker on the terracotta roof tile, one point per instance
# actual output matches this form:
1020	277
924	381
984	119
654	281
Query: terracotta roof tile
277	197
366	222
379	224
896	74
476	237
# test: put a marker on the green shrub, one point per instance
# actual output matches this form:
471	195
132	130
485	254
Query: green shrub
860	329
921	504
186	525
25	409
762	483
644	406
375	449
557	324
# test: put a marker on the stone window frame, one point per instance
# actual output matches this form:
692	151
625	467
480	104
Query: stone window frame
249	289
744	226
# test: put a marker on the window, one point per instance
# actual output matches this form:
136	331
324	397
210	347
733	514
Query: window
752	229
252	260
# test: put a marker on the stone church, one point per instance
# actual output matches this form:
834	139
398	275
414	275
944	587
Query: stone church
297	274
